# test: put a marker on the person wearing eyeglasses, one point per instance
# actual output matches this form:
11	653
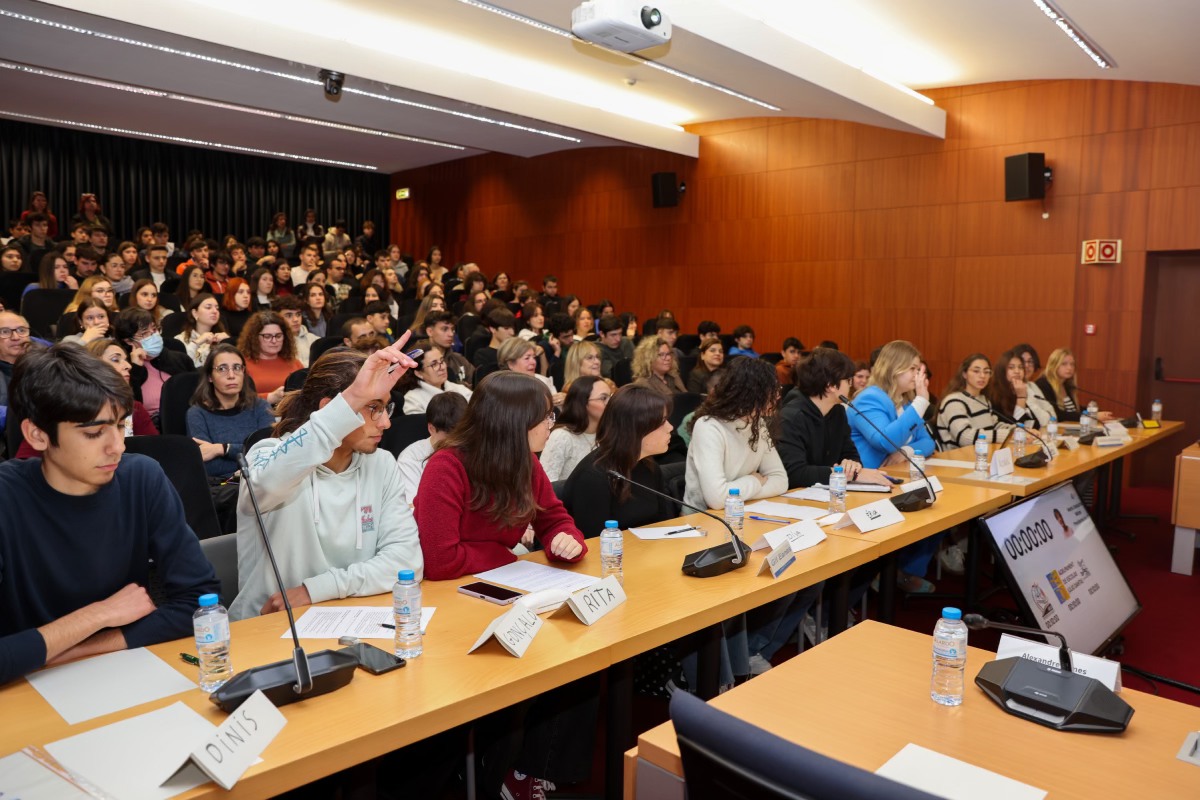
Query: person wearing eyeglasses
270	352
430	379
332	499
966	410
224	411
654	366
14	341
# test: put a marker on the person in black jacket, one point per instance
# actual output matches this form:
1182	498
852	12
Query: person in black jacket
153	362
815	434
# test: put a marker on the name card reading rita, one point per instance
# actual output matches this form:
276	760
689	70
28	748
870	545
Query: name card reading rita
237	743
778	560
514	630
594	602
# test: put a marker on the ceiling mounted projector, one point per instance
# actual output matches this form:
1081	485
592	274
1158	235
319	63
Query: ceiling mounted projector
625	25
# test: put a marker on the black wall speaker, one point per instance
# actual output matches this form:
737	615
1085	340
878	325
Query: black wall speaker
666	189
1025	177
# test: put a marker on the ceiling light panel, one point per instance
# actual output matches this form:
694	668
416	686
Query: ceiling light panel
1073	33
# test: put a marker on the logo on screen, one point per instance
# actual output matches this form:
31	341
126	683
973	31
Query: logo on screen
1040	601
1060	588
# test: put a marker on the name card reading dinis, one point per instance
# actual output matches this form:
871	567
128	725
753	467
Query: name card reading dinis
238	741
514	630
594	602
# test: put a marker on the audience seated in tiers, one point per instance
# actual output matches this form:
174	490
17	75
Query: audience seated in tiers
270	352
93	321
574	433
332	501
614	346
585	323
533	317
709	363
743	342
790	353
224	411
520	355
82	525
707	331
429	379
202	327
560	336
500	325
291	309
54	272
441	415
145	296
153	365
236	307
654	366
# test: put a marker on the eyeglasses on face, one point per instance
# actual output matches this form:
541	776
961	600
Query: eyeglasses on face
376	410
271	337
438	364
551	418
226	369
20	332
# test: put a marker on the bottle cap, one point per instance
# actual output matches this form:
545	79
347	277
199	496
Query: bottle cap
735	492
407	575
208	600
1021	425
1158	401
611	523
839	469
951	613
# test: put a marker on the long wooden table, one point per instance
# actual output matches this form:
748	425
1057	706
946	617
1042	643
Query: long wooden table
445	687
862	696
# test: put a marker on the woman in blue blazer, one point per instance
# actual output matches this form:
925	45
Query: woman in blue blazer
896	400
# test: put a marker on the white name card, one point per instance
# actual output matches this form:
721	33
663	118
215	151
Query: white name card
594	602
237	743
800	535
1117	429
920	484
778	560
1070	442
1103	670
1002	463
514	630
874	516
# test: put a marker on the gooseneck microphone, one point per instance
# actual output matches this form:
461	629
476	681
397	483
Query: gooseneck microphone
284	682
978	622
916	499
1038	459
1128	422
706	563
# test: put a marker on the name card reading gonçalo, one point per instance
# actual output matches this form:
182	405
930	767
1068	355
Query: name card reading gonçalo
594	602
778	560
238	741
514	630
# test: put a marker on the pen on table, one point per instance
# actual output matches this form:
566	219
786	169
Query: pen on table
387	625
776	520
681	530
191	659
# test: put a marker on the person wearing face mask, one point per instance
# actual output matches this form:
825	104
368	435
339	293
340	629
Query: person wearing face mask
142	341
428	380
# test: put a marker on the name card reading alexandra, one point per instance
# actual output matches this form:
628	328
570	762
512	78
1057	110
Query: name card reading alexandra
1002	463
594	602
237	743
513	629
778	560
800	535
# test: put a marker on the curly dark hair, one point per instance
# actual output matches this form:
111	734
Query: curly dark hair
748	390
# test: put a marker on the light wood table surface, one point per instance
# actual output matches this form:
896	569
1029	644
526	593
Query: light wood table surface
862	696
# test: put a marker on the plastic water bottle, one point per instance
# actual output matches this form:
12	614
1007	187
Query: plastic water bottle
612	551
1093	410
735	509
981	452
1020	437
1085	423
916	466
1156	411
211	626
1052	433
949	658
837	490
406	614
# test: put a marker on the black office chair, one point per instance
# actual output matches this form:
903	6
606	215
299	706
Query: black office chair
726	341
650	327
484	371
295	380
42	308
726	758
319	347
338	320
406	429
555	373
172	325
180	459
622	372
674	482
683	404
686	365
171	343
176	398
687	342
221	552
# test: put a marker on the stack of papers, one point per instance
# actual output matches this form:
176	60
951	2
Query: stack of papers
528	576
361	622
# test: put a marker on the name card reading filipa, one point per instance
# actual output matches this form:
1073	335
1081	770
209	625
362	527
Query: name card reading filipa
238	741
778	560
514	630
594	602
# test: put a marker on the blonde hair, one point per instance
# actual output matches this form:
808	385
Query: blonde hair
574	360
84	292
895	357
1061	388
643	359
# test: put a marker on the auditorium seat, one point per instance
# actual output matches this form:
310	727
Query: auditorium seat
176	398
406	429
41	308
622	372
180	459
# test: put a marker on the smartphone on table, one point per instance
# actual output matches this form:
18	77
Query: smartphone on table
490	592
373	659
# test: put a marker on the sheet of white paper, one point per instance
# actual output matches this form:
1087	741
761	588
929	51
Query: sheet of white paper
664	532
128	677
22	777
363	622
114	757
528	576
1019	480
814	493
856	486
770	508
948	777
948	462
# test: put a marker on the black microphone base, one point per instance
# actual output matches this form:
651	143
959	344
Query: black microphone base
915	500
1054	698
717	560
1131	422
1089	438
1033	460
330	670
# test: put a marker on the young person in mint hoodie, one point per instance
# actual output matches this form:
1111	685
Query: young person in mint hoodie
82	524
332	500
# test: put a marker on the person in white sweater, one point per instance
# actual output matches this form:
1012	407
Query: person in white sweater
441	415
429	379
331	500
733	448
574	433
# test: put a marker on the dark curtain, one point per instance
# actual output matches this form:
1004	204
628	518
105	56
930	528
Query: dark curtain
140	182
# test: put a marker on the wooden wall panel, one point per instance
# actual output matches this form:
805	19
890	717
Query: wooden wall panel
828	229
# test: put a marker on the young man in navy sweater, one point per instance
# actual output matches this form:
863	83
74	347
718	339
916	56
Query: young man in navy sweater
81	524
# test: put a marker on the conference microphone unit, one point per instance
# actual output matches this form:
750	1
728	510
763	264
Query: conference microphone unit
915	500
1129	422
712	561
1052	696
1033	460
284	682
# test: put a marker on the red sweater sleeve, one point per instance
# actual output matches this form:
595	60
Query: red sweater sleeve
142	424
553	518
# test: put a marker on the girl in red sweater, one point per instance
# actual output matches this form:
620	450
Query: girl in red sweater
483	486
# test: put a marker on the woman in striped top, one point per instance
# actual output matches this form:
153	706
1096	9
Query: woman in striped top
965	411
